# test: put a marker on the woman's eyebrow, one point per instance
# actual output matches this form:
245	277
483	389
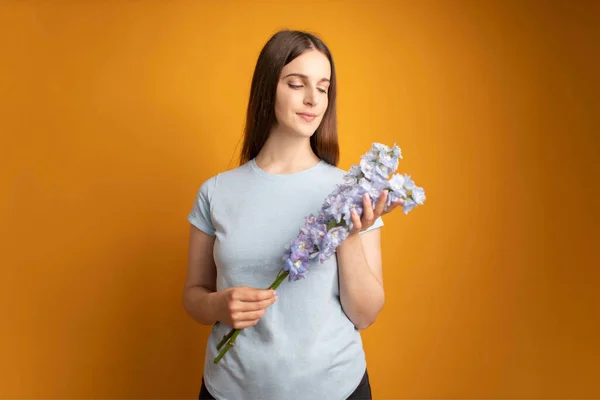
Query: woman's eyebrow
305	77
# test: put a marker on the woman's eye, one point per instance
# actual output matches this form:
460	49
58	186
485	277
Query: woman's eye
300	86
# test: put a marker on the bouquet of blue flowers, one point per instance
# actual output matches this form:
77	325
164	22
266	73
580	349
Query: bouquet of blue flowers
324	232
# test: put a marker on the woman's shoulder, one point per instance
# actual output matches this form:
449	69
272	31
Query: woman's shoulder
227	178
332	172
227	173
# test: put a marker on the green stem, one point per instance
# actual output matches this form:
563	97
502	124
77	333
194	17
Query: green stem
236	332
229	339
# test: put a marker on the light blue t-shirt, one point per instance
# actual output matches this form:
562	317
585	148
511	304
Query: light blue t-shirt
304	347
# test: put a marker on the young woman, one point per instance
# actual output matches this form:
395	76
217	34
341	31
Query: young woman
302	342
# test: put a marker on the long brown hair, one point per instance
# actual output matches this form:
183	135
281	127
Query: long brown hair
283	47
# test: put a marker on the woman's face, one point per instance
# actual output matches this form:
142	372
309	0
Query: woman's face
302	98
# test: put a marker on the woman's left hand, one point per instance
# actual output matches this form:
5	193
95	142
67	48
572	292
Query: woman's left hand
370	215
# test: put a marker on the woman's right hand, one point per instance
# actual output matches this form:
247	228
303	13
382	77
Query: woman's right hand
242	306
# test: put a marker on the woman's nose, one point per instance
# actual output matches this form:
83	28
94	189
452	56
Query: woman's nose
310	98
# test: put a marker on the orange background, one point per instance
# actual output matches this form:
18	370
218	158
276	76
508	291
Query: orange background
113	113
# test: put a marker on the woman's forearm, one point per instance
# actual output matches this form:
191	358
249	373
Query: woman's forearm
198	303
361	293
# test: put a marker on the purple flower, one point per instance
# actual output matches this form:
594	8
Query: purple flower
418	195
316	233
333	206
392	197
367	167
396	182
408	183
349	205
397	187
324	232
389	161
297	267
322	217
408	205
310	220
396	153
353	174
374	188
382	171
335	236
301	247
366	186
332	240
403	187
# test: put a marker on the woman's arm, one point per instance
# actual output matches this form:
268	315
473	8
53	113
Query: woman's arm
200	284
360	274
238	307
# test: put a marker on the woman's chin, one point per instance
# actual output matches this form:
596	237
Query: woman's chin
304	131
298	130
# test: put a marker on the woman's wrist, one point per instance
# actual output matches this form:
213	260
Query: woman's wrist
352	239
212	306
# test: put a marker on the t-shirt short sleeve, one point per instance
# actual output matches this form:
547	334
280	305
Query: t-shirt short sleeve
377	224
200	215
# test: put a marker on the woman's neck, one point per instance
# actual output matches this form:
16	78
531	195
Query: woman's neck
286	154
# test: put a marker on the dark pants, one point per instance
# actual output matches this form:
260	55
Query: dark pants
362	392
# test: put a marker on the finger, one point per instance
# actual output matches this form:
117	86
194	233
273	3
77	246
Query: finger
381	203
249	316
367	209
257	294
393	205
244	324
356	222
257	305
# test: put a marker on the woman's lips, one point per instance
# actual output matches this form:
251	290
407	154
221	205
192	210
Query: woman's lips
307	117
